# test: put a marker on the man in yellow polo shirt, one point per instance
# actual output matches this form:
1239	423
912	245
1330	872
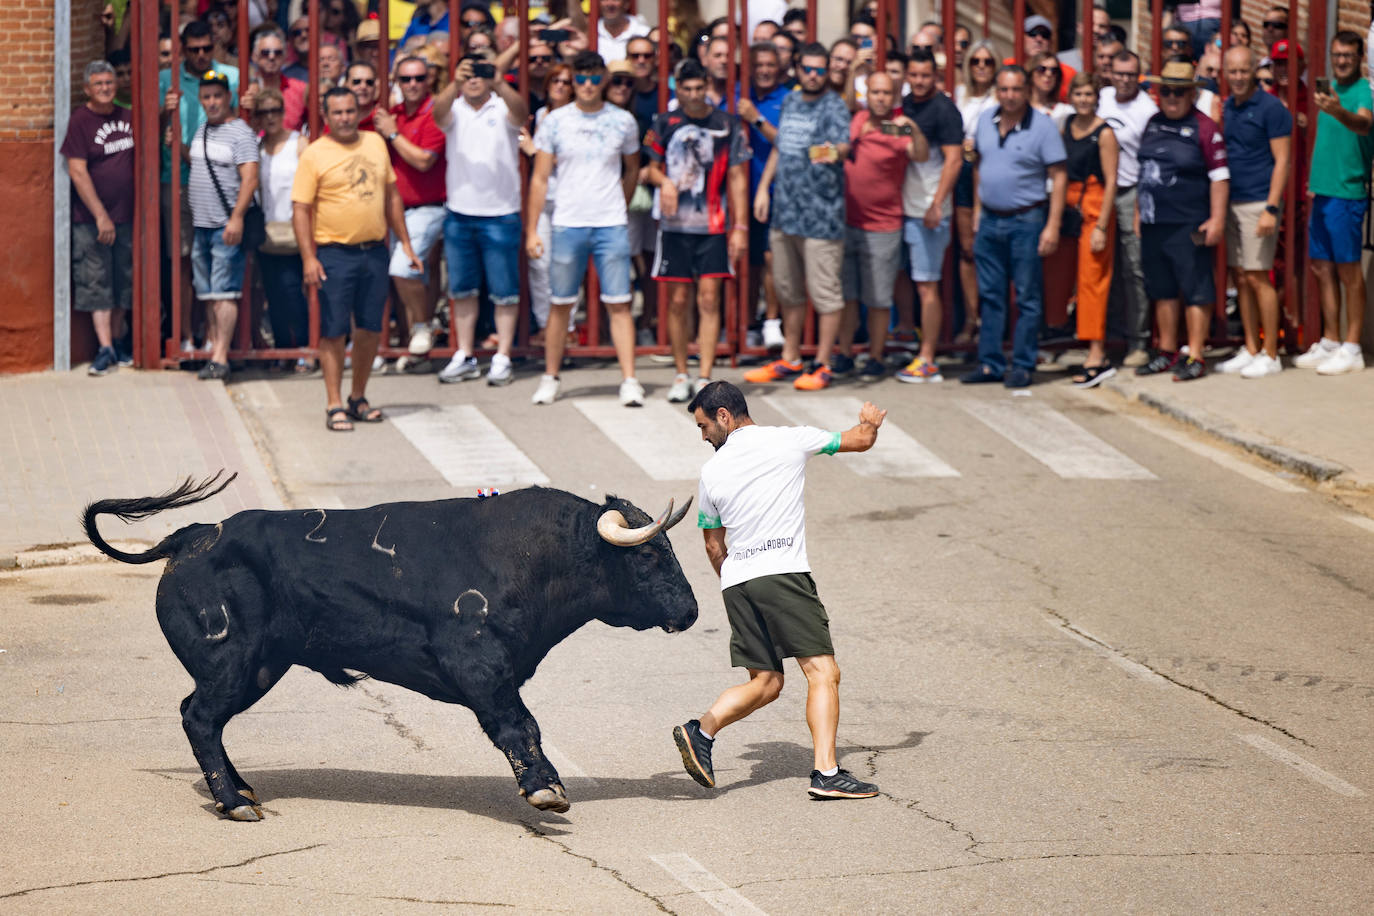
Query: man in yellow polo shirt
343	199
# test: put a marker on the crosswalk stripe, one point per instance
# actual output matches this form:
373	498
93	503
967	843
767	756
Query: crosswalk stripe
659	436
1055	441
467	448
896	454
1230	462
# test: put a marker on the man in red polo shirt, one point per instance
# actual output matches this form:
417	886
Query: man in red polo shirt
268	55
417	155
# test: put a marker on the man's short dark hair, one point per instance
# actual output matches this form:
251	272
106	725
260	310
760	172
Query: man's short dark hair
337	92
790	39
690	69
653	46
863	19
409	59
196	28
765	47
813	49
119	57
1126	57
720	394
921	54
794	15
845	41
1115	33
1349	39
899	57
373	70
588	62
1011	68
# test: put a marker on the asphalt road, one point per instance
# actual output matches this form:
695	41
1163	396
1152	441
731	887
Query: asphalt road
1094	664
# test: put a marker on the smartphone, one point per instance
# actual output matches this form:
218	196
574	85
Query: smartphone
1323	85
865	43
484	71
554	36
892	129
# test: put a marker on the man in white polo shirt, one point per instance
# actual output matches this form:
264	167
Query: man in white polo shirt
482	228
751	492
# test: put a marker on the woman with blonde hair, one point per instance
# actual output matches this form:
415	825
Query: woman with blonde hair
974	94
1046	82
558	92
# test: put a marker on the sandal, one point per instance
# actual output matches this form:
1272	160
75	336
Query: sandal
1092	376
363	412
336	420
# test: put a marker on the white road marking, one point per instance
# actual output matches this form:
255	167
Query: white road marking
1217	456
1100	648
659	436
691	875
1303	766
896	454
1055	441
564	764
467	448
1360	521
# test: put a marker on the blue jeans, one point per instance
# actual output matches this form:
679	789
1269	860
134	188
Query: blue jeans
1006	250
475	246
216	268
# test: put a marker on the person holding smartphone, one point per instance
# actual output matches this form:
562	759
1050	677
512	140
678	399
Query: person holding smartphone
1181	213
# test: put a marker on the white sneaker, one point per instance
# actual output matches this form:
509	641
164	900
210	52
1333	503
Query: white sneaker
421	339
1342	361
1260	365
500	372
1316	354
772	333
679	392
378	364
460	367
547	390
699	384
1235	364
631	393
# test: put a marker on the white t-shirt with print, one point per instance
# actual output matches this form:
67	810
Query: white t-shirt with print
752	487
1128	124
588	148
482	158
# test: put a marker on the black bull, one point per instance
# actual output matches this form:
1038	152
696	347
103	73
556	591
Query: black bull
458	599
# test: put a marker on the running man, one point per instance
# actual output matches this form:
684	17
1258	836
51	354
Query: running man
752	489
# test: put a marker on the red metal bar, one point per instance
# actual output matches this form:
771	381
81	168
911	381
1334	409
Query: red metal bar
455	43
594	23
1089	51
948	25
383	53
312	92
1018	17
174	233
1317	38
147	299
880	40
244	331
522	329
987	19
810	20
1156	36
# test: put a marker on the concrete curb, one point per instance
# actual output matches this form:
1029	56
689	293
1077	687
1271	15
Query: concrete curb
1310	466
66	555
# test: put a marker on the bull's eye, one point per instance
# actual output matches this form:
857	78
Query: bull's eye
648	555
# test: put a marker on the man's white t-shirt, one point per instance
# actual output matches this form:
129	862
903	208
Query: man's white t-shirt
612	47
482	159
1128	123
588	148
752	487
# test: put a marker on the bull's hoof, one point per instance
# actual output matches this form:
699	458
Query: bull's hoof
245	813
552	799
250	795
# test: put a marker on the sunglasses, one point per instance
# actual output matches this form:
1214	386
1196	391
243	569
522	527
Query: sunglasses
541	58
623	81
271	52
264	112
982	61
648	56
1118	75
412	79
1047	69
1176	42
962	45
1266	81
1040	32
474	23
1274	24
198	49
583	79
813	71
297	33
362	82
1172	92
561	81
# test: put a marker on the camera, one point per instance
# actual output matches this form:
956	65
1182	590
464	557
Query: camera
483	71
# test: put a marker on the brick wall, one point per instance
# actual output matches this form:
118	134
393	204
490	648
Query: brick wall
1351	14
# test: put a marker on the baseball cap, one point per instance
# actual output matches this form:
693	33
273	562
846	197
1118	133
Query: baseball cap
214	78
1280	50
1037	22
368	30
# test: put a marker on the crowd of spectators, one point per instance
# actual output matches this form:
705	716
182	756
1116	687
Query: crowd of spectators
845	185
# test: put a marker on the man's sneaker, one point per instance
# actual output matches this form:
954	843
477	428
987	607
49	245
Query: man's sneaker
696	752
873	370
1187	370
907	340
841	785
1017	377
213	370
1135	359
919	371
1238	363
104	363
499	372
124	355
1342	361
1263	364
421	339
814	380
776	371
459	368
631	393
681	389
1162	361
840	365
983	375
547	390
772	333
1316	354
699	384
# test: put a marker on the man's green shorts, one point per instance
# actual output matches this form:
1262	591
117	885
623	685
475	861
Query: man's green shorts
776	617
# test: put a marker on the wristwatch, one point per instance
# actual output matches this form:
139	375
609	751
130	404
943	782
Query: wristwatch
759	122
392	136
1271	209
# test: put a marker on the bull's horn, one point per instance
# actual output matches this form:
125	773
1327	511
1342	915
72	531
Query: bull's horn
613	529
679	515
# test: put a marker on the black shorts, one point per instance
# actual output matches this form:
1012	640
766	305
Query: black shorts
683	257
102	275
963	188
758	242
355	287
776	617
1175	266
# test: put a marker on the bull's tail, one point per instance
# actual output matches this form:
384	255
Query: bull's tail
132	510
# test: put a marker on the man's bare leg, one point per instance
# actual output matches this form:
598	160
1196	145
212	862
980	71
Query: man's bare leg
556	337
822	706
622	335
1266	305
463	314
739	701
364	349
101	322
223	315
331	367
414	296
932	312
708	325
679	300
793	323
1352	279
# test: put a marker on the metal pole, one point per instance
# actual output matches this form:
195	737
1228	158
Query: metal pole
948	25
244	331
312	92
660	286
174	203
455	45
1156	36
1088	43
593	283
987	19
145	316
383	53
522	330
594	24
810	20
1316	52
880	40
61	189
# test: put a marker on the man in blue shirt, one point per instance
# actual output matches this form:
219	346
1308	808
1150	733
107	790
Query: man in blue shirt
1018	148
1259	141
762	111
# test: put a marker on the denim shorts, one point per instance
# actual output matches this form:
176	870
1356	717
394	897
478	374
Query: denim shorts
355	287
484	245
424	225
216	268
609	246
1335	229
927	248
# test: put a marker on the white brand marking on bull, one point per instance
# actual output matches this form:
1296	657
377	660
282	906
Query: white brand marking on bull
464	604
389	551
223	631
311	536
